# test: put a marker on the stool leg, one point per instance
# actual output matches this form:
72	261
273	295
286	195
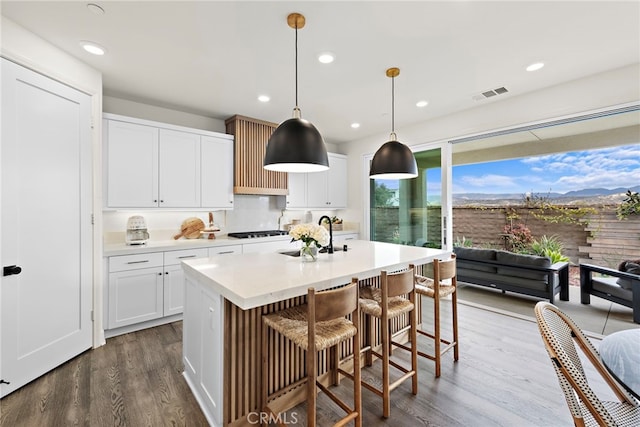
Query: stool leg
436	330
311	387
454	311
386	405
264	350
413	320
357	385
368	356
334	358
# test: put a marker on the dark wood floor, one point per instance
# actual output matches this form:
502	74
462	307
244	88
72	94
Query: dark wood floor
503	378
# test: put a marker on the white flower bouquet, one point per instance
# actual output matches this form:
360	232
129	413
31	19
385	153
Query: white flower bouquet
310	233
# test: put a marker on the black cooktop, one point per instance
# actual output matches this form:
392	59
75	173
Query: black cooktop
253	234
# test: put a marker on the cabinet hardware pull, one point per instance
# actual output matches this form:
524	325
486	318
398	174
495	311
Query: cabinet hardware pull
187	256
138	262
10	270
225	252
4	382
159	274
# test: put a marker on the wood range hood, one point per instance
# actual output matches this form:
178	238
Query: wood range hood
249	177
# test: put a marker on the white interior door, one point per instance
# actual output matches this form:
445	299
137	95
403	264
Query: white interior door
45	226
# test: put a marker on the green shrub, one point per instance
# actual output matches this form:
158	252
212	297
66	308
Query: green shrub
549	247
465	243
629	206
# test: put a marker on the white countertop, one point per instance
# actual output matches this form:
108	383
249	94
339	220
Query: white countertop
121	248
255	279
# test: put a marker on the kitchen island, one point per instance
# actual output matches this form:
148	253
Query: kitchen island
225	298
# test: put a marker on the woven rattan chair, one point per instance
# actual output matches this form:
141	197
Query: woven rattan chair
437	289
320	324
560	334
387	303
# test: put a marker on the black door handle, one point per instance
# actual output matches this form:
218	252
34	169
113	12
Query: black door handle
8	270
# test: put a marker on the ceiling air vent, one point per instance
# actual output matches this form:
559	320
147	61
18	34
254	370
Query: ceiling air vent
489	93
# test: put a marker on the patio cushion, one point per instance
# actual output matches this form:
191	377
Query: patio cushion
475	254
523	260
629	267
609	286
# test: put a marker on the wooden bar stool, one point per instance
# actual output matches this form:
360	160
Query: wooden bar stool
387	303
437	289
320	324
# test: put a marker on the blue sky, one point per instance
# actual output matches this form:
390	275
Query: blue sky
604	168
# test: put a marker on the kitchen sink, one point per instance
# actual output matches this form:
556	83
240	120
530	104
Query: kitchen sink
296	253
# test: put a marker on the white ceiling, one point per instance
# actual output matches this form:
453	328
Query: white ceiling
214	58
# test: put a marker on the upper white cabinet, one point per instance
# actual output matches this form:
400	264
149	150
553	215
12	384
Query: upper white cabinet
132	165
216	184
153	165
320	190
179	171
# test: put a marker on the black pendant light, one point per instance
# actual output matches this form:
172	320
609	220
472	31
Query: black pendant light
296	145
393	160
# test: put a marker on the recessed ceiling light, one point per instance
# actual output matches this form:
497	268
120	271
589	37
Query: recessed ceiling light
422	103
94	8
264	98
535	66
326	57
93	48
355	125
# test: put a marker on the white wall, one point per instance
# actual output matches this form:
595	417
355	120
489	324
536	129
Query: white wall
597	92
30	51
159	114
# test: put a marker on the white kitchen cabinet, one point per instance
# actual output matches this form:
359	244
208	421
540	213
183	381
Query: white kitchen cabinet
320	190
173	284
297	197
179	170
131	164
144	287
155	165
135	289
216	182
202	342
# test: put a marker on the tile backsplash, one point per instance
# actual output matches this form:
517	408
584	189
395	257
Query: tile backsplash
249	213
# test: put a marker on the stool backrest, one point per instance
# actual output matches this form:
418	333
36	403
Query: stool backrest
446	269
334	303
398	283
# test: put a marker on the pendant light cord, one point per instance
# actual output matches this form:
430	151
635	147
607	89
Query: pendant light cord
296	64
393	105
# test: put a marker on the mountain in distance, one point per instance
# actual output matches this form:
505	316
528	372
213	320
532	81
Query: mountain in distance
595	195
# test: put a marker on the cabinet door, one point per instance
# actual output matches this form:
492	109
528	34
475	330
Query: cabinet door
216	172
135	296
337	182
173	290
297	197
179	171
317	189
191	341
131	164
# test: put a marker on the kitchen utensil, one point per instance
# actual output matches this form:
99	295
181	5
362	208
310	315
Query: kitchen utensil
190	228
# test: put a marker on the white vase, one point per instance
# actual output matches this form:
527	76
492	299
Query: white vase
309	253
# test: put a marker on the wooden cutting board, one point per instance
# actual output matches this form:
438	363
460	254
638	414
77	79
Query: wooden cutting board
191	228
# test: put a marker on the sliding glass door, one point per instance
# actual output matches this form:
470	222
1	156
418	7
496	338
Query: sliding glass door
410	211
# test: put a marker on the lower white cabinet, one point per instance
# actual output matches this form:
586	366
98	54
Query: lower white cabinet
135	289
145	287
203	335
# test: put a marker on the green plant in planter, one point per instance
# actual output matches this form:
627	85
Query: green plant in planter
629	206
550	247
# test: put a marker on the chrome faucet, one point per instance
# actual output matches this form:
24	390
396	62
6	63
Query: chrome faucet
330	246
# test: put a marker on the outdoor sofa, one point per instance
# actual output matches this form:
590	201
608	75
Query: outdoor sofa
621	287
508	271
